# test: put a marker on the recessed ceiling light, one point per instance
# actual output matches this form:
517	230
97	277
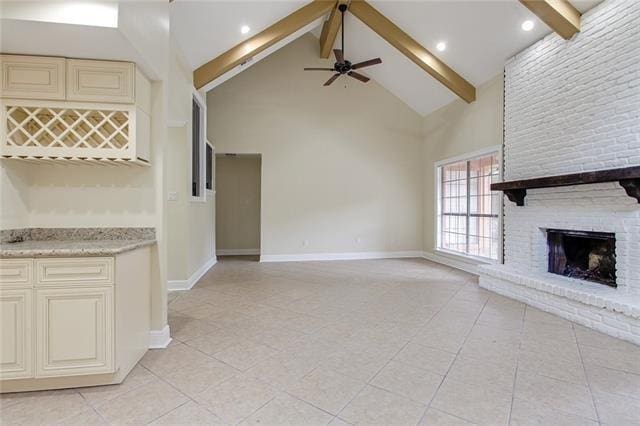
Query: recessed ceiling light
442	46
527	25
245	29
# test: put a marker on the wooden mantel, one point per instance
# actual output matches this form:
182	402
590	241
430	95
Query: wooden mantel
628	177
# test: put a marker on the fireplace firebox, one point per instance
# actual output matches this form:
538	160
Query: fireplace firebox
584	255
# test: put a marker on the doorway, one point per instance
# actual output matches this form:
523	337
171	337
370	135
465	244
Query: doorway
238	186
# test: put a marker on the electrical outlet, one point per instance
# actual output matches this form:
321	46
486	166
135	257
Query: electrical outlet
172	196
305	243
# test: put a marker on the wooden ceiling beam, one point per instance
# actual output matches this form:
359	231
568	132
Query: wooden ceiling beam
559	15
261	41
330	30
412	50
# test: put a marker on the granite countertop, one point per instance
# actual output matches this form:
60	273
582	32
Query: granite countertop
52	242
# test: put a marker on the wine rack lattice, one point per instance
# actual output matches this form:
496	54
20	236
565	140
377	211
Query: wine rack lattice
68	131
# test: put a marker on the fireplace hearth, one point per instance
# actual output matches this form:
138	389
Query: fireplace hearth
584	255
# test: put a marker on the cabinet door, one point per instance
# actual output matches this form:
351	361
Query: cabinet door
100	81
75	332
32	77
16	338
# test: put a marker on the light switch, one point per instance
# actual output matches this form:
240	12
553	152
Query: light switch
173	196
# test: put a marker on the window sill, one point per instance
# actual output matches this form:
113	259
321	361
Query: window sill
201	199
465	257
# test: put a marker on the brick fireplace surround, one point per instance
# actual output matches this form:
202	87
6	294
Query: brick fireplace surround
573	106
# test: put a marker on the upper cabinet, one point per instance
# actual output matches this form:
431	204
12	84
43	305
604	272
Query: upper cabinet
74	110
33	77
100	81
82	80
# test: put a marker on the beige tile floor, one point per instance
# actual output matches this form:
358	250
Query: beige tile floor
357	342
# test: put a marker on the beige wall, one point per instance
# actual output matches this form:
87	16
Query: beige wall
456	129
238	203
341	167
191	231
14	195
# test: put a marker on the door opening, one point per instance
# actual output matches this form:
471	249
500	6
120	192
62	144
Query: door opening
238	200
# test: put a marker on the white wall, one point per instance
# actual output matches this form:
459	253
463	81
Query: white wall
341	167
457	129
191	224
238	204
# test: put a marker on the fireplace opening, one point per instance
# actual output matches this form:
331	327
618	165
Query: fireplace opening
584	255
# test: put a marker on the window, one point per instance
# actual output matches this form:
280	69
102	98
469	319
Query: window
196	140
209	182
198	153
468	211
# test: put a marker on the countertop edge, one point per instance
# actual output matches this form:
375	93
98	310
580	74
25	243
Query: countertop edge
127	245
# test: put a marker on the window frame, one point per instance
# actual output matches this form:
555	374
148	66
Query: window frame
209	166
495	149
202	198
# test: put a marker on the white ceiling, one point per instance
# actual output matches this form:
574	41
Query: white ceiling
480	35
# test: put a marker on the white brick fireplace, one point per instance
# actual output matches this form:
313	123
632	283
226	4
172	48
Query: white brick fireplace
574	106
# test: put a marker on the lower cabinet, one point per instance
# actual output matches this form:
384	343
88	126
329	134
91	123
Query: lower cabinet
75	331
76	321
16	313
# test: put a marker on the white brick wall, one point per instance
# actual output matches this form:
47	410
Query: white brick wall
574	106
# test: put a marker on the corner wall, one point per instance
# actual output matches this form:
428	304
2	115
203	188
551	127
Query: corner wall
456	129
191	224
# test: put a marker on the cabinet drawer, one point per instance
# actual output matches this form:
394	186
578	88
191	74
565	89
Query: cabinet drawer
74	332
100	81
16	273
75	271
16	347
32	77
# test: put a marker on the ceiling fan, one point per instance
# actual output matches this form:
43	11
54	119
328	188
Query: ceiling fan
342	66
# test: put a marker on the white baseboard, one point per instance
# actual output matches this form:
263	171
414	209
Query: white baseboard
463	265
339	256
175	285
237	252
159	339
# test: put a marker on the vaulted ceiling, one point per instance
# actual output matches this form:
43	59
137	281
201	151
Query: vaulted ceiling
480	36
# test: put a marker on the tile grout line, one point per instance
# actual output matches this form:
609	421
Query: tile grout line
515	375
586	376
454	358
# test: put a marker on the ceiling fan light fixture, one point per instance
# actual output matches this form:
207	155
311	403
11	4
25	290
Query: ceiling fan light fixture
342	66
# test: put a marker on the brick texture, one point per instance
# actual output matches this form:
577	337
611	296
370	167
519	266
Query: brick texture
574	106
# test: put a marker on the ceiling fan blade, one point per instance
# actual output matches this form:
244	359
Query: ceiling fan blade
339	55
332	79
357	76
366	63
319	69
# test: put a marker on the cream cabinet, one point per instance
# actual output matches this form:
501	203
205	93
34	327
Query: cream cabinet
74	331
33	77
16	337
100	81
68	322
74	111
